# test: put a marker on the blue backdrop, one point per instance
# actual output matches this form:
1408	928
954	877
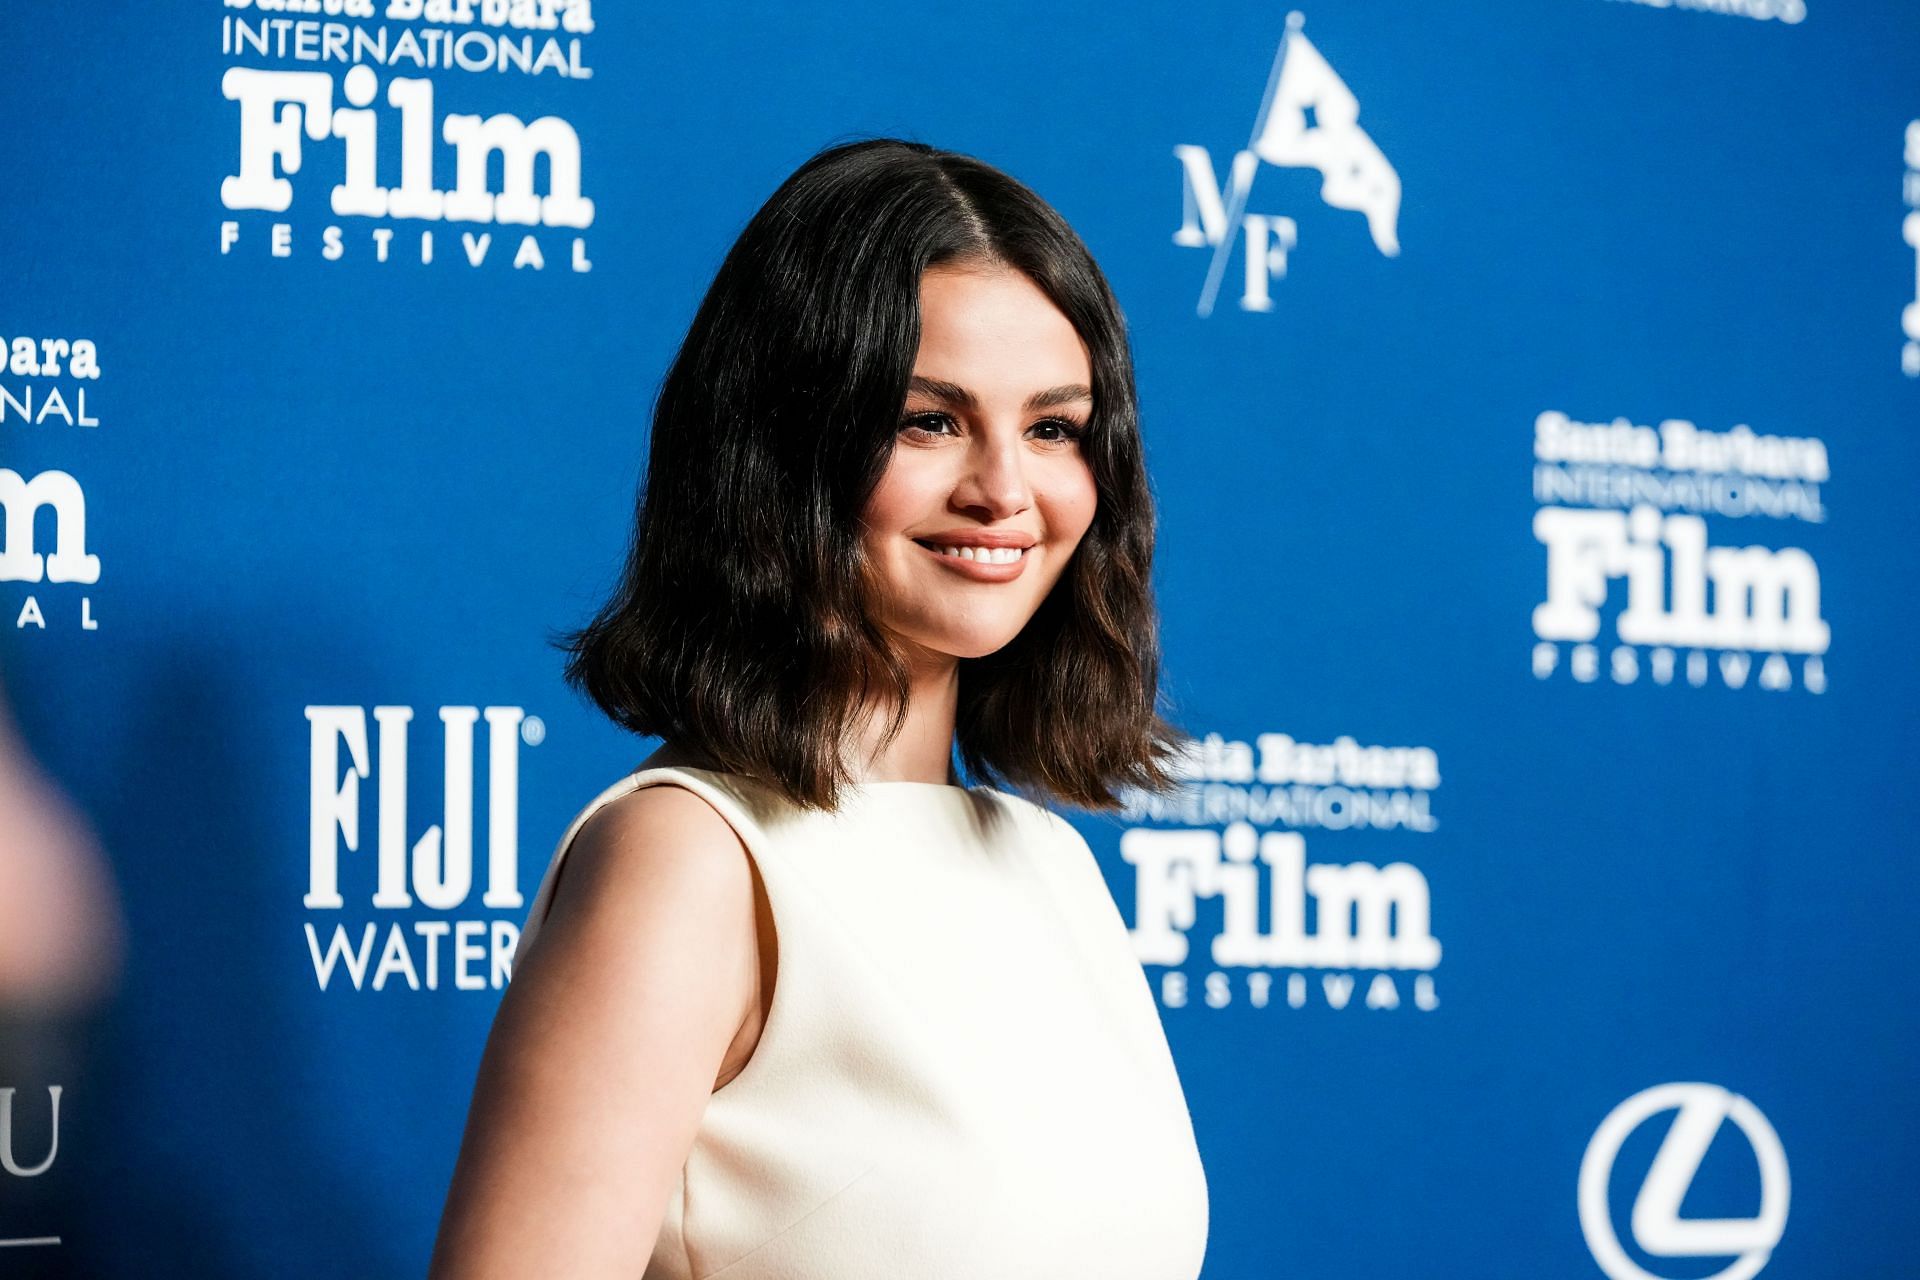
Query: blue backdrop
1536	561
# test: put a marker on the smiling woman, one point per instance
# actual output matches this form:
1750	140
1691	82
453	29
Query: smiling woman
897	325
988	473
806	1004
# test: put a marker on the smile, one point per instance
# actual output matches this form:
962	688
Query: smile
983	564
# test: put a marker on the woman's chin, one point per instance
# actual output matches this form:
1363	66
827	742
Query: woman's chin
969	643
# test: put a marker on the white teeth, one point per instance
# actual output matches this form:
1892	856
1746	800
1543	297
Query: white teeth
986	555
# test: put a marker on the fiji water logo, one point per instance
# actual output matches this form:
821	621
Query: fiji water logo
1309	119
430	877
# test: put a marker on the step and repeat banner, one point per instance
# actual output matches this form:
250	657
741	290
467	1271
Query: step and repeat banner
1532	401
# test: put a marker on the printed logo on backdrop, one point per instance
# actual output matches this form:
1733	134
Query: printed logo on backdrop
1655	1224
1910	233
1787	11
341	122
1308	118
1702	530
1280	840
399	909
48	397
17	1156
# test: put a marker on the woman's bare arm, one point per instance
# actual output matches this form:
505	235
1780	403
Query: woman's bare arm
606	1047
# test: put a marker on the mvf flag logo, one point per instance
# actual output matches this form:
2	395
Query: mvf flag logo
1308	119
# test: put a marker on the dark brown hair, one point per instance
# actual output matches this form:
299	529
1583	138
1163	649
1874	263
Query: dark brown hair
738	630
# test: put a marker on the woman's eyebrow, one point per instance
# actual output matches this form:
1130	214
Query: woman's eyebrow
954	394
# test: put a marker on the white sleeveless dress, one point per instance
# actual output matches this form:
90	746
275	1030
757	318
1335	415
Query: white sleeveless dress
962	1074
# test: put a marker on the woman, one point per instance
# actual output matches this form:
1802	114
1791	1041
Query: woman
805	1005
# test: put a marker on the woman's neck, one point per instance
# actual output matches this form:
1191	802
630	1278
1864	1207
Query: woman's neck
923	749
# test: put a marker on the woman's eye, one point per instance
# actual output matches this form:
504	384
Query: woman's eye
1067	429
1054	430
930	423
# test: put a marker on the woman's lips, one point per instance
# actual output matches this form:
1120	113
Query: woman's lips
979	570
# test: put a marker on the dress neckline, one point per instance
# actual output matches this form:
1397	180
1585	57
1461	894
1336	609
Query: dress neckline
862	785
909	782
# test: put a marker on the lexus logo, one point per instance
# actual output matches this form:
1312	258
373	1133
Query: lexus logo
1656	1225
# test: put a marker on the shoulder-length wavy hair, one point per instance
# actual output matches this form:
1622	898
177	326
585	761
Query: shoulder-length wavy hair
739	628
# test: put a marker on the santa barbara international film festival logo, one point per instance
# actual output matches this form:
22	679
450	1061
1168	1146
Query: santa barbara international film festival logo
49	389
387	908
1623	502
1338	933
343	166
1308	118
1691	1141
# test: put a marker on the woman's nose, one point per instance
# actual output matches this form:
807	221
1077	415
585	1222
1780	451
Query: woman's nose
996	478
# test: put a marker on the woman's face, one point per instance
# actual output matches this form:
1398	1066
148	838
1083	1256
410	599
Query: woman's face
987	456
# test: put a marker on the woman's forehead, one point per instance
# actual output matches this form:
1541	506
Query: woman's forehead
993	333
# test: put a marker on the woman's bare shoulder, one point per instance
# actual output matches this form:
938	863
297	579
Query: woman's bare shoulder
660	822
607	1044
